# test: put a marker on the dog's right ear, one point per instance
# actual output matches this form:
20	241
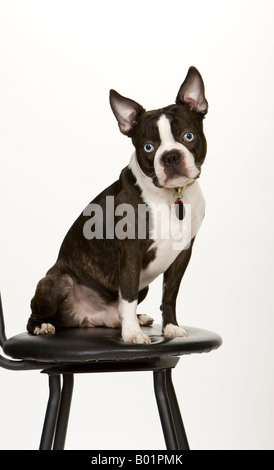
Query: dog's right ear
125	110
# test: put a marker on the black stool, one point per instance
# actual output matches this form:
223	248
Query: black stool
88	350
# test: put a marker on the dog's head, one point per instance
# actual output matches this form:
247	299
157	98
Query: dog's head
170	143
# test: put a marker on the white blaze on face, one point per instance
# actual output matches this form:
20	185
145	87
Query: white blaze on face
168	143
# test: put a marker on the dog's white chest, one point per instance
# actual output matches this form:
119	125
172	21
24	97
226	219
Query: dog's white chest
165	256
171	235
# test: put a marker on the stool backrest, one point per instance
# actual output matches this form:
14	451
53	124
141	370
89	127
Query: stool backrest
3	338
8	363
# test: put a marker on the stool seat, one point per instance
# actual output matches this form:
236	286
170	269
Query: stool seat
90	350
78	345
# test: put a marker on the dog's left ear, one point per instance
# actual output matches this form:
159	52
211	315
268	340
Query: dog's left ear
192	92
125	110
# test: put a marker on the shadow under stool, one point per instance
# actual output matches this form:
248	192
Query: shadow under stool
89	350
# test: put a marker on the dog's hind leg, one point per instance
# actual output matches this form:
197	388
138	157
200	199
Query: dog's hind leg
143	319
51	291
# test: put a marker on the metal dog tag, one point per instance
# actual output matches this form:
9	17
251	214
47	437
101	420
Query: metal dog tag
179	209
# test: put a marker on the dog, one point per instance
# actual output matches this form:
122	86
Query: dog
101	275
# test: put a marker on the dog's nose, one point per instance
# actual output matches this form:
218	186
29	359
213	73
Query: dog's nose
171	158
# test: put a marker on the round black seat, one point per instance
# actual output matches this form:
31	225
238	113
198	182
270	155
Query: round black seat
78	345
90	350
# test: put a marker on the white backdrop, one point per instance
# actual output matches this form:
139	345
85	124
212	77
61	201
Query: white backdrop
60	146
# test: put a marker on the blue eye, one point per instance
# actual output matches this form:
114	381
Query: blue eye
148	148
189	137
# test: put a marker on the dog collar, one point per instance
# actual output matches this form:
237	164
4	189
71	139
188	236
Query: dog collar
178	204
180	190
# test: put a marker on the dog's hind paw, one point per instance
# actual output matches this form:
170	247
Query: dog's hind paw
145	320
44	329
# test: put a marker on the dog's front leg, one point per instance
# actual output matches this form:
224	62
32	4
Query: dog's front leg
171	284
130	265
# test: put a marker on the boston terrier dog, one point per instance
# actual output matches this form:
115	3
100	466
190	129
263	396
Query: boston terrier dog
107	260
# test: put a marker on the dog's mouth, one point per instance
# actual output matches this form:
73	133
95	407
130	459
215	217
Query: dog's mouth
176	180
173	171
173	178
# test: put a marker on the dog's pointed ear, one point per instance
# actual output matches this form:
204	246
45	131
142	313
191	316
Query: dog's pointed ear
125	110
192	92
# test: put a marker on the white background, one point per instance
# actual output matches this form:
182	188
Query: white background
60	146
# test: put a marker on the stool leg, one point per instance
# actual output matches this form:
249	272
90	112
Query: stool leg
165	411
51	413
63	416
177	418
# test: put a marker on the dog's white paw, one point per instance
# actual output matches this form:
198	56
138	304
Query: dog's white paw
137	337
145	320
171	331
44	329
